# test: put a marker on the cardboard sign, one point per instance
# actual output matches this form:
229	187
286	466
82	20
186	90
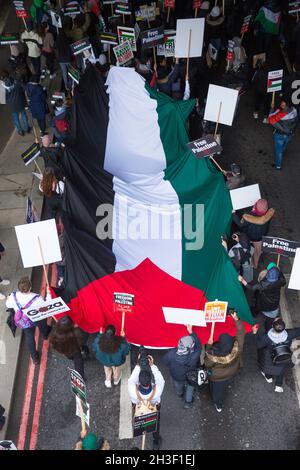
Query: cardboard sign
8	38
295	275
184	316
245	25
280	246
204	147
72	9
56	19
216	96
259	58
215	311
275	80
73	73
169	43
145	423
294	7
78	385
31	154
170	4
123	8
80	46
123	302
245	197
152	37
27	236
196	4
123	53
196	26
127	34
22	14
230	53
48	309
109	38
145	12
85	409
58	95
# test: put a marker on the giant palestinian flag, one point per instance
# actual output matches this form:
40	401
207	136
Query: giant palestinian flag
142	215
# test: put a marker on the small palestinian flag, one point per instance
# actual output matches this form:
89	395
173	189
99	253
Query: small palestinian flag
294	7
230	53
109	38
123	8
246	24
8	38
269	20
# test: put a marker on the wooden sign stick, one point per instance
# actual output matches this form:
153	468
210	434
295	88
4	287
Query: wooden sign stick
83	428
218	120
188	57
242	37
143	441
123	321
211	338
217	164
273	99
154	57
43	261
168	15
109	58
223	8
196	12
38	167
112	9
25	23
278	260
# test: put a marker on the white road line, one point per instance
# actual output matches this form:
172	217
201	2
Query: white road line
125	423
289	324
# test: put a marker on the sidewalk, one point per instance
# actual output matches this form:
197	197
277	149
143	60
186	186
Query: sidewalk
16	183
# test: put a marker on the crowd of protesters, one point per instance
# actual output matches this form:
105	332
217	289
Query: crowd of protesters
44	54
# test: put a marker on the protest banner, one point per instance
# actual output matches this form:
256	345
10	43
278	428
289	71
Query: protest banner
189	37
215	312
245	197
31	154
127	34
204	147
8	38
80	46
123	53
220	105
295	275
123	303
152	37
245	25
109	38
56	19
184	316
83	409
259	58
31	212
274	83
146	12
280	246
73	73
47	309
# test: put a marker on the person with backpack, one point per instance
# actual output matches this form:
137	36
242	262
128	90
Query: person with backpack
21	300
274	353
241	254
181	360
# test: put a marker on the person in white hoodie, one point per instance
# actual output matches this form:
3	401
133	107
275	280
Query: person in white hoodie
34	43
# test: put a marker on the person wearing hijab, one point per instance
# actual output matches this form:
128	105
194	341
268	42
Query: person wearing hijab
268	290
267	343
223	360
182	359
255	225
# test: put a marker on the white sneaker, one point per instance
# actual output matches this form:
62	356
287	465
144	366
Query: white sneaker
278	389
255	115
265	120
268	380
5	282
107	383
218	409
117	381
2	296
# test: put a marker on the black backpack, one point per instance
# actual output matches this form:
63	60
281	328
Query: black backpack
281	353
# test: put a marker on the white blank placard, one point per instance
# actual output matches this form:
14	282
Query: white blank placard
184	316
295	276
27	236
228	98
245	197
196	25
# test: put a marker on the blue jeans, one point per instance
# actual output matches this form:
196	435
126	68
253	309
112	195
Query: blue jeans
189	390
280	141
16	119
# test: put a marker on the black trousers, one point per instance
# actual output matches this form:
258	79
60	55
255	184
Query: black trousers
42	124
49	56
78	363
36	64
218	390
262	100
29	336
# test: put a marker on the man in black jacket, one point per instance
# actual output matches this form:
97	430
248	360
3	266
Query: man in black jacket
268	290
181	360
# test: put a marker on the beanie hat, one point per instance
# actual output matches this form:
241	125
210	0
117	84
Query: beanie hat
260	207
273	274
185	345
204	6
235	168
215	12
90	442
271	265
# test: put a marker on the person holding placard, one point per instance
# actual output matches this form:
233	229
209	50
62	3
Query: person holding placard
22	299
164	79
181	360
214	29
262	99
284	121
15	98
223	361
111	351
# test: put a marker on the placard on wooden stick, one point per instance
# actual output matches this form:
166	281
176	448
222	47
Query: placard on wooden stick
184	316
245	197
227	98
196	26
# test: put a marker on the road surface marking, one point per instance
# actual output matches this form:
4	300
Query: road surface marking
2	352
125	423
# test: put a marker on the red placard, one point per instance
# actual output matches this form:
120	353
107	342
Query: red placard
22	14
244	28
170	3
196	4
230	55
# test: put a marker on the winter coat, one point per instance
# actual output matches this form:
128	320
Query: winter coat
37	100
165	86
264	352
111	359
284	122
260	81
15	96
225	367
180	365
34	43
253	225
268	293
63	48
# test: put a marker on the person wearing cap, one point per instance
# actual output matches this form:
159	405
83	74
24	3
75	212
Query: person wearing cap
111	351
256	225
145	386
223	359
284	121
214	28
265	343
234	178
182	359
268	291
89	441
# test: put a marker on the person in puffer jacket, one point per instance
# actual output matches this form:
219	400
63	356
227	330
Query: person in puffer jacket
284	121
224	359
256	226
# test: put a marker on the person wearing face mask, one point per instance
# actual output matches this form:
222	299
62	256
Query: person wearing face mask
274	354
